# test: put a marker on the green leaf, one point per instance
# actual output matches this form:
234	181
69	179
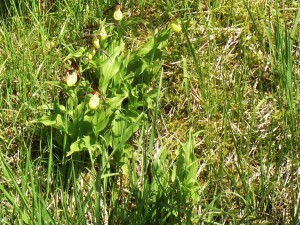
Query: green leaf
127	132
137	65
186	164
80	124
153	44
118	124
111	66
56	120
162	39
109	175
16	204
82	144
146	49
79	110
116	102
76	54
125	161
100	120
21	203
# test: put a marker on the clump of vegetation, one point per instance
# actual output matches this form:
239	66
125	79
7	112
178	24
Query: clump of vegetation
108	93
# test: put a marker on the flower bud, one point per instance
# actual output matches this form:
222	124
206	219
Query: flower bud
103	34
50	45
95	42
176	26
91	54
118	15
71	79
94	101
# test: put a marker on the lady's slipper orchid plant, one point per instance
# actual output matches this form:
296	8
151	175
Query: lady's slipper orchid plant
109	116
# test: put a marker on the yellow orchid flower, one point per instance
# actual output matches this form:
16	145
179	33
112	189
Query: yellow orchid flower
103	34
94	101
176	26
95	42
118	15
91	54
72	79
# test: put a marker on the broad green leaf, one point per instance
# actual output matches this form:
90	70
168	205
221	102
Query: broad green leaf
79	110
100	120
82	144
109	175
76	54
116	102
132	128
124	159
118	125
56	120
53	106
146	49
186	168
80	127
124	133
162	39
110	67
137	66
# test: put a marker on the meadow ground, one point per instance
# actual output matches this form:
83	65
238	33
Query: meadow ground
208	135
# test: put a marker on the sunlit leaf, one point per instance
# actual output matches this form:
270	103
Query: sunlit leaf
82	144
56	120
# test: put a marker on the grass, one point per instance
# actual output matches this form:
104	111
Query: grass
222	144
